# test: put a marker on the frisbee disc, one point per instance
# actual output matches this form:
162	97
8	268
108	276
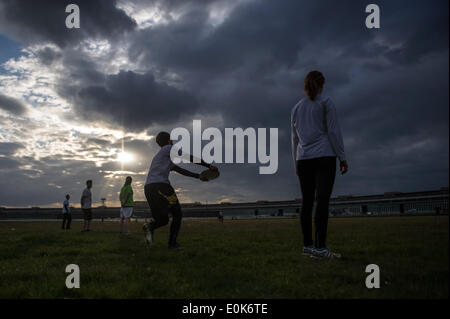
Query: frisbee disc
209	174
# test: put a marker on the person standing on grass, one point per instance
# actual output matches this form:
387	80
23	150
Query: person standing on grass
126	203
161	196
86	205
67	215
316	143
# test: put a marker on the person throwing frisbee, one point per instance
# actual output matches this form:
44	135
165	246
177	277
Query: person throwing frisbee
161	196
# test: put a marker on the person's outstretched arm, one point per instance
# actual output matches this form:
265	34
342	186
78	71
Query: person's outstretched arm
185	172
335	136
202	163
294	140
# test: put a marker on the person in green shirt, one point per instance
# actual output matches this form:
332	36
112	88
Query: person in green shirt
126	203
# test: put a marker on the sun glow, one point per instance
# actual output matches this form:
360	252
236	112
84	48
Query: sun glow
125	157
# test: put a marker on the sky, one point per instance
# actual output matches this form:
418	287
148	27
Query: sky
72	100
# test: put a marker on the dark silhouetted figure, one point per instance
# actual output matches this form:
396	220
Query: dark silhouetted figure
161	196
67	215
86	205
437	210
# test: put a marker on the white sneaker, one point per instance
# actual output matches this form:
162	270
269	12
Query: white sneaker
148	234
307	250
324	253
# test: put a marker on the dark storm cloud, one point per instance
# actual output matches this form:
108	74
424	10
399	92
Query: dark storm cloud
257	58
9	148
48	183
8	163
134	101
274	34
80	69
421	27
389	85
47	56
37	21
12	105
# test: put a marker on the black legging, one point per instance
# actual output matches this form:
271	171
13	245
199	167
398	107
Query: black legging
66	217
162	200
316	176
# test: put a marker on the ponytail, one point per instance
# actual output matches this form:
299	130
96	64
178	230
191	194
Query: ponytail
314	82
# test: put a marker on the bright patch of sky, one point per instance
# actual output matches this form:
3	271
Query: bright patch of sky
48	128
145	16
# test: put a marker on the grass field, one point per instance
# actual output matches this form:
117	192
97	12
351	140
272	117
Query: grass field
236	259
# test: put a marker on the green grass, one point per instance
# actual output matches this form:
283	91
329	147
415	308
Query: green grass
236	259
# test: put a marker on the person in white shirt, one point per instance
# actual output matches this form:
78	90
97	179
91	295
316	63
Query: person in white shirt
161	196
67	215
316	143
86	203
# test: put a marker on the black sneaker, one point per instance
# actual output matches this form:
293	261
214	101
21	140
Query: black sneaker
175	246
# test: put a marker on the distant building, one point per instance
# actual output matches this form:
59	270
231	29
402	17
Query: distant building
426	202
346	205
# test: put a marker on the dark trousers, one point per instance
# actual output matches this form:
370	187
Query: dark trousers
162	200
67	217
316	179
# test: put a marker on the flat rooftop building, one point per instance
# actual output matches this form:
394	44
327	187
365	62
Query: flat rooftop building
425	202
